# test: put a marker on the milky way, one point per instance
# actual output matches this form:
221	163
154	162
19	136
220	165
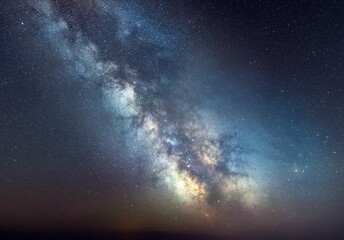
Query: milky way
197	163
176	123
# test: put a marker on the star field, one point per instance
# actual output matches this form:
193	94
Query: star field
187	116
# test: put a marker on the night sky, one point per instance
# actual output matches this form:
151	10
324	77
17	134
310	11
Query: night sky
204	117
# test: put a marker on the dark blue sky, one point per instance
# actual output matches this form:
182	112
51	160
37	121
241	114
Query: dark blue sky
196	116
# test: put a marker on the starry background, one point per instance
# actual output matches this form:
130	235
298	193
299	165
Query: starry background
223	117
